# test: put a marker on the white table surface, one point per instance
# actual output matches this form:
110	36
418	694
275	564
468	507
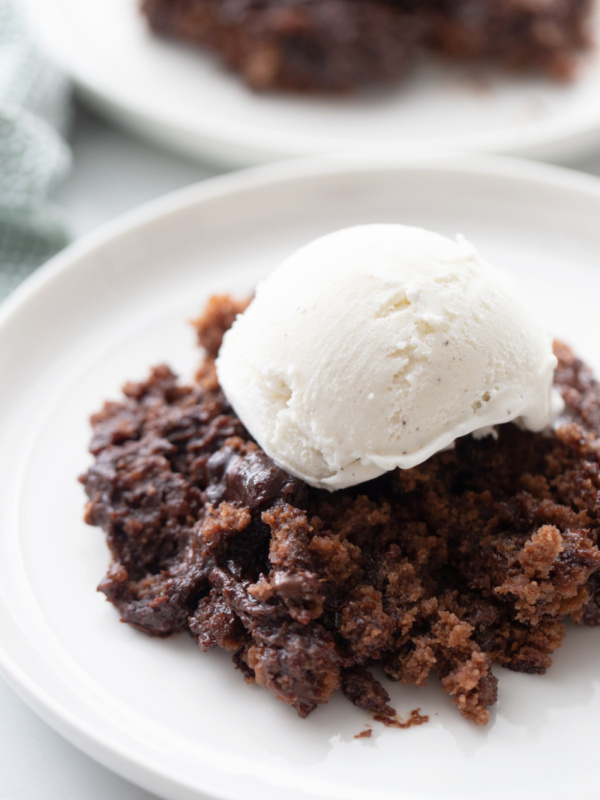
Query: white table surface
112	173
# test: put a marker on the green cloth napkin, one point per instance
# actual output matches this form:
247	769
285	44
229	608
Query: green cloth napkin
34	112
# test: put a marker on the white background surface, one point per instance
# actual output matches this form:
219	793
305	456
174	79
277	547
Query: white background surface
112	172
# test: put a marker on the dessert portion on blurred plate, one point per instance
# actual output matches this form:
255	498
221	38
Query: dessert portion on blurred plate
336	45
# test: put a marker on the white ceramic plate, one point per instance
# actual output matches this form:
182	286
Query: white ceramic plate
185	99
159	712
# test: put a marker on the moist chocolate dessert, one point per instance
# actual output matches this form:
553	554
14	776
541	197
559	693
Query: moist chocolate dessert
334	45
476	557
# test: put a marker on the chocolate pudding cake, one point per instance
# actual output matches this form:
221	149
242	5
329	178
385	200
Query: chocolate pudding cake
476	557
336	45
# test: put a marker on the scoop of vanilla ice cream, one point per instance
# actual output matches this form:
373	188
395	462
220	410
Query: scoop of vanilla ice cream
377	346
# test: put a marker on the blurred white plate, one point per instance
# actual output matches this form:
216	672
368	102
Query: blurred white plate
183	98
159	712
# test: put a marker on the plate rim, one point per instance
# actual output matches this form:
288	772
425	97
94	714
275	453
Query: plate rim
493	165
556	139
65	720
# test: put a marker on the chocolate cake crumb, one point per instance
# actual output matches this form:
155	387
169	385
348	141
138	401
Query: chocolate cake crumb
475	558
414	718
217	317
366	733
